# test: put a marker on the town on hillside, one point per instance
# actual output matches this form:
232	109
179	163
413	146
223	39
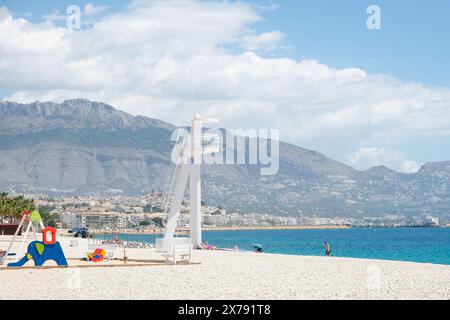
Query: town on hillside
146	214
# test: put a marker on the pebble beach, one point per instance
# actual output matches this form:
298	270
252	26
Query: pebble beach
229	275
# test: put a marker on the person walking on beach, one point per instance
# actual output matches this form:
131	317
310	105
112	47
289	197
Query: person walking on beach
327	249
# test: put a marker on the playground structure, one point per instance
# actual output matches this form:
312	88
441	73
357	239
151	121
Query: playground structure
34	221
38	251
187	166
42	251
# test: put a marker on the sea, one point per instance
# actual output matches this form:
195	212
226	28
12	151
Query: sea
427	245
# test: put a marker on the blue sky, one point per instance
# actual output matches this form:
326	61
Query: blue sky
41	8
413	44
412	47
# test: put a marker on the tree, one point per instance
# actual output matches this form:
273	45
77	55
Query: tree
144	223
11	208
158	221
48	218
158	209
148	208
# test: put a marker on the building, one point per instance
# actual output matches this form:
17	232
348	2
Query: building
106	220
431	221
71	220
321	221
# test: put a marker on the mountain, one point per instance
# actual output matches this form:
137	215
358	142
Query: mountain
81	147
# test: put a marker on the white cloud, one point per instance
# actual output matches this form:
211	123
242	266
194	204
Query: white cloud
140	61
88	14
410	166
54	16
365	158
4	14
268	7
267	41
92	9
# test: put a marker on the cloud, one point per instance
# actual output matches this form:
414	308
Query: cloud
140	60
267	41
410	166
269	7
365	158
4	14
91	9
88	14
54	16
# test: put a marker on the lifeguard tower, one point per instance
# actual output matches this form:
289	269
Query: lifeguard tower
186	165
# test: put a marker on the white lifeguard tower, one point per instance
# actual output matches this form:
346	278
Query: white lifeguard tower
187	166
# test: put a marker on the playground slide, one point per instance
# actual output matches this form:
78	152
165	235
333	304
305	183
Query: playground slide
38	251
19	263
41	252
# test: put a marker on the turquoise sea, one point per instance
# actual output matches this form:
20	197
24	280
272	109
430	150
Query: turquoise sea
430	245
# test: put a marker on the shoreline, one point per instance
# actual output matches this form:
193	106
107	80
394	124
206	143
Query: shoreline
183	230
242	228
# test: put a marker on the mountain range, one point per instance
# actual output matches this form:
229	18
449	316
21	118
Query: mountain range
80	147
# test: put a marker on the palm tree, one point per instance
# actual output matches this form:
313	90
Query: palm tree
48	218
12	208
3	205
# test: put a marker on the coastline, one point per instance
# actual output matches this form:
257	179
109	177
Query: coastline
241	228
183	230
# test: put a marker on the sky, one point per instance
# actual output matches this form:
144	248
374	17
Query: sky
312	69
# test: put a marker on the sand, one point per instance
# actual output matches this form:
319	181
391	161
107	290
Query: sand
231	275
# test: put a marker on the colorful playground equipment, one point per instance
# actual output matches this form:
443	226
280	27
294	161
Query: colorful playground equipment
38	251
33	220
42	251
97	256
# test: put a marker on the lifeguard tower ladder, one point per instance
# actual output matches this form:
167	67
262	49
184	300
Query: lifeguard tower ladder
187	166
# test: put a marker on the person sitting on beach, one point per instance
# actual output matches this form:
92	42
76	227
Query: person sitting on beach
327	249
207	246
258	248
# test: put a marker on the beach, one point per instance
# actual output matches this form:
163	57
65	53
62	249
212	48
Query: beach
230	275
185	230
